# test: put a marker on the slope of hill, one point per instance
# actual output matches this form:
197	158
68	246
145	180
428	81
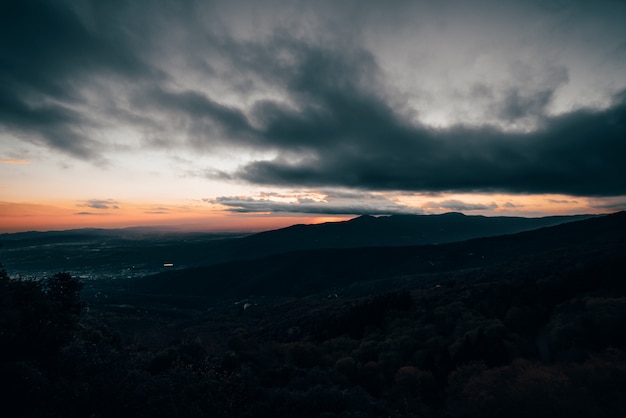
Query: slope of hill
302	273
396	230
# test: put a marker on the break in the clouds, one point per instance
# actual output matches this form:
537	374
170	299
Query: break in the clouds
492	96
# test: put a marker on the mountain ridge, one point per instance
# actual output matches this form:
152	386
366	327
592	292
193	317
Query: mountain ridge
394	230
86	251
305	272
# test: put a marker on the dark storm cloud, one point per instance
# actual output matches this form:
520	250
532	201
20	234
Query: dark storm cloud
336	102
518	106
47	54
340	130
349	136
51	124
204	120
579	153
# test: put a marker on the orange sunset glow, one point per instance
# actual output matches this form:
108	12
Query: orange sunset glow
15	217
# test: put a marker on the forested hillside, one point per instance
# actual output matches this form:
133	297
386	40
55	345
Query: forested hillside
533	329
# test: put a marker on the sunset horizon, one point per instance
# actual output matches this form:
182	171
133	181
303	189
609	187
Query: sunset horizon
41	218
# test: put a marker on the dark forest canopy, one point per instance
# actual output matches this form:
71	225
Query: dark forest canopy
536	330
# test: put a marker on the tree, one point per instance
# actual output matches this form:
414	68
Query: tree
37	317
64	290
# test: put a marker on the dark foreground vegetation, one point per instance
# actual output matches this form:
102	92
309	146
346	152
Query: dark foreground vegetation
537	334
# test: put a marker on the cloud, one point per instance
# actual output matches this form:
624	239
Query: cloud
334	203
338	127
204	120
562	201
517	106
101	204
523	103
312	99
157	211
458	205
360	142
51	55
615	204
55	126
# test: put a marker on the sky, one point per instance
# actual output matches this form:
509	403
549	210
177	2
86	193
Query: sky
251	115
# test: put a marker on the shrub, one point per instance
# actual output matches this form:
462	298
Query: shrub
36	318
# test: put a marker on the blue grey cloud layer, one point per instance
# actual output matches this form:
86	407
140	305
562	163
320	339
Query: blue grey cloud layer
331	119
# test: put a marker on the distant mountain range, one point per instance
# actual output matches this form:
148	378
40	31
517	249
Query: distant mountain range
147	249
305	272
396	230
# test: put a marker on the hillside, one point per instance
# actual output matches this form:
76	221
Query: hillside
302	273
396	230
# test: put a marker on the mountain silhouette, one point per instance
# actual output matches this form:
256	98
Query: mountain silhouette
396	230
599	240
149	248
